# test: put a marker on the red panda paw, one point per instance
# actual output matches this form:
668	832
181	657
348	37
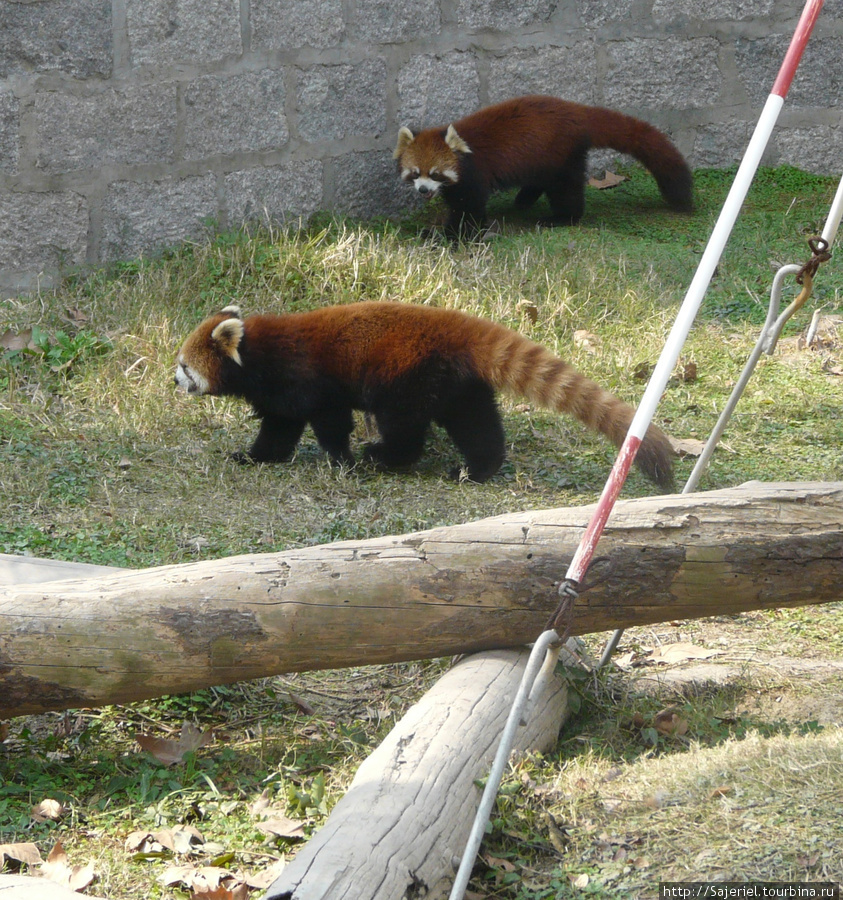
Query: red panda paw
242	458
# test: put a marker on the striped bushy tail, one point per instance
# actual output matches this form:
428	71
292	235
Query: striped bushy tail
519	366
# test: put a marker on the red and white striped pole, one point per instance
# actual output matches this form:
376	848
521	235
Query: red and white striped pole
696	291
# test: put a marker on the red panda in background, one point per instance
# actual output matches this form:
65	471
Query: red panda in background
406	365
536	143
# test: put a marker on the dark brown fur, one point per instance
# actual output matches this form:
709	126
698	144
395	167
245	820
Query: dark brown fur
539	144
408	366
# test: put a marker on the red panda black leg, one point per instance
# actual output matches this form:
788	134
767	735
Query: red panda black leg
402	441
332	429
466	203
474	424
528	195
566	193
276	440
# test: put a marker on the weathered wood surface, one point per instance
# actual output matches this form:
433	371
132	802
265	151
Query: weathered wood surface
408	812
132	635
32	887
31	570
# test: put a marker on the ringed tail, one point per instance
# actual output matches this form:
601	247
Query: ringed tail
519	366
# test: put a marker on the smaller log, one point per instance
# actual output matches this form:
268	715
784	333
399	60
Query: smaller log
34	887
30	570
400	829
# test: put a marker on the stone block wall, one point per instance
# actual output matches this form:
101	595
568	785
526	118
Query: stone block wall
128	125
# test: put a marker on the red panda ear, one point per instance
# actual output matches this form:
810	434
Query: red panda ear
227	336
455	142
405	138
231	311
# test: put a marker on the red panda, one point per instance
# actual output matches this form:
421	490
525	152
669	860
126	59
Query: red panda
408	366
536	143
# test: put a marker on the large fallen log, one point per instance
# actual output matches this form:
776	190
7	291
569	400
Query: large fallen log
485	585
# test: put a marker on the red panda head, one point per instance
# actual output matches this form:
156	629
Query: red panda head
430	160
201	358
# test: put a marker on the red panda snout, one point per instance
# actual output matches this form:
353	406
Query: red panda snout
189	380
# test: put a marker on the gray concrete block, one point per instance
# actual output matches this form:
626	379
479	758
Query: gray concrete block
194	32
42	231
436	90
814	148
818	81
567	72
503	15
384	21
292	24
9	132
663	73
711	10
720	145
274	193
598	13
132	125
367	184
68	36
145	217
335	102
235	113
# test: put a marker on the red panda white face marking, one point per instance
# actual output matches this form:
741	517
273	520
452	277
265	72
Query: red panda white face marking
430	162
202	354
189	380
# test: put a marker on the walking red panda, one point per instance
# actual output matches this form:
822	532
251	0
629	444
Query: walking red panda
406	365
536	143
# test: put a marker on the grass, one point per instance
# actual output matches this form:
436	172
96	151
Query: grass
102	461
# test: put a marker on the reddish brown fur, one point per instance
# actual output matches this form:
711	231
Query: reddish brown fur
540	144
408	365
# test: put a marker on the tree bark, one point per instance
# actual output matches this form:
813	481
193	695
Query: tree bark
133	635
417	794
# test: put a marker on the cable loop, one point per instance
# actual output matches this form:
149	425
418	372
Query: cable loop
819	254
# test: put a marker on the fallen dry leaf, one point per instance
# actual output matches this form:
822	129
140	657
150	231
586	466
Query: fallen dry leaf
47	811
720	791
668	721
686	446
240	892
178	839
623	660
283	827
530	310
299	702
609	180
208	882
643	371
260	881
20	340
57	868
168	751
679	652
258	806
25	854
688	372
586	340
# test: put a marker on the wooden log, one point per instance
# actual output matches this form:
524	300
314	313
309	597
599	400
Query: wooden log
417	794
33	887
31	570
489	584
